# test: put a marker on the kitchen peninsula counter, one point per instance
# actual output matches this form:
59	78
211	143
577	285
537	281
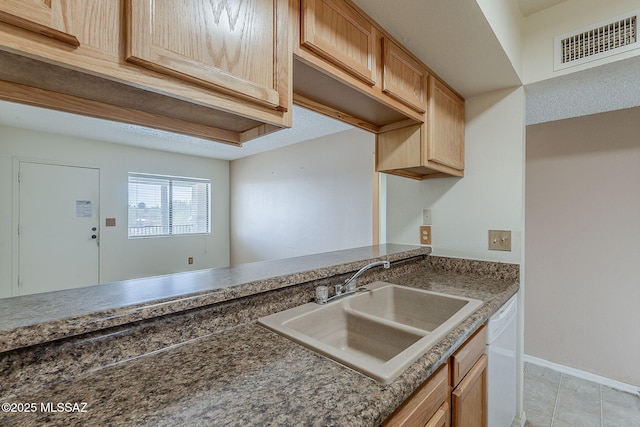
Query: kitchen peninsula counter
215	365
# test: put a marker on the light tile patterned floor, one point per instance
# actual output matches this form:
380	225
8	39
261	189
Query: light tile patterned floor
555	399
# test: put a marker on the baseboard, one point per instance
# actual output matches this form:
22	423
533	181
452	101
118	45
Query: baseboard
519	422
618	385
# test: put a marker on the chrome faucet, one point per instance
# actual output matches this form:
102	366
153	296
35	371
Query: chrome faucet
349	285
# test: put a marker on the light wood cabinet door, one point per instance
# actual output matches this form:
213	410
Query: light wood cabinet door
338	33
238	47
404	78
469	398
44	17
424	404
445	126
442	417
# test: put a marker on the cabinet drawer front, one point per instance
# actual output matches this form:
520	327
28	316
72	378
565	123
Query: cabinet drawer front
469	399
446	126
339	34
423	403
39	16
234	47
466	356
441	418
403	77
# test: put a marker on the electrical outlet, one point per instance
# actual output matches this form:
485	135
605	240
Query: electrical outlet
426	217
190	260
425	234
500	240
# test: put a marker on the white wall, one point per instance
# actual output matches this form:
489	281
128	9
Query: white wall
540	29
488	197
120	257
307	198
582	251
506	22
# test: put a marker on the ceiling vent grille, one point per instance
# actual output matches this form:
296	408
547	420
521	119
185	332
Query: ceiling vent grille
598	42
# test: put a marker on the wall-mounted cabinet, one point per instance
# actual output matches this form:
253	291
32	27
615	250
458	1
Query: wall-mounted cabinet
404	78
348	67
216	70
230	71
338	33
430	150
232	47
38	16
339	67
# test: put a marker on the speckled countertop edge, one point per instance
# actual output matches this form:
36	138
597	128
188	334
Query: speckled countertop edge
39	318
250	376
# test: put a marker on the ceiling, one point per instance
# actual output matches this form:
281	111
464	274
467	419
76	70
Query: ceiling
470	59
452	37
529	7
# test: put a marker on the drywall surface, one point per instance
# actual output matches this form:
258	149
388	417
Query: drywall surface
489	197
120	257
312	197
582	252
506	20
570	16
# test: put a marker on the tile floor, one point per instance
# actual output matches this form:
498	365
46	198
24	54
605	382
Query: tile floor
555	399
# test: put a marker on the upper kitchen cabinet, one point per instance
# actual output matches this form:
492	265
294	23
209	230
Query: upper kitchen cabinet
220	70
39	16
231	46
431	150
338	33
404	78
445	126
338	67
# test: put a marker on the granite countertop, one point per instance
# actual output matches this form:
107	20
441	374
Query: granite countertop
32	319
246	375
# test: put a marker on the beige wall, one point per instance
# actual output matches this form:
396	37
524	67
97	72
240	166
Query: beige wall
120	257
582	247
311	197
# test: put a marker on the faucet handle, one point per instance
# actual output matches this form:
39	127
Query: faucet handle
338	289
322	294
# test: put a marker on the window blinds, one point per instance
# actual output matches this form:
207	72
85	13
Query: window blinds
165	205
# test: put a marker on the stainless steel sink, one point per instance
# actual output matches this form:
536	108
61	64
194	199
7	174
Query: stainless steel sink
379	331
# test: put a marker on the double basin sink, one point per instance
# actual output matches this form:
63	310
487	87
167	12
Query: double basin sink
379	331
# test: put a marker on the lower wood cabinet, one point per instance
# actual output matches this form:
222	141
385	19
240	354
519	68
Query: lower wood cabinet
427	406
469	383
456	395
469	398
441	418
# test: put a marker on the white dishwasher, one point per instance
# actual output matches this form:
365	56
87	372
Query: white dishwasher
501	351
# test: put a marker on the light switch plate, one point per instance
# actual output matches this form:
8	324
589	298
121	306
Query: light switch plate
425	234
500	240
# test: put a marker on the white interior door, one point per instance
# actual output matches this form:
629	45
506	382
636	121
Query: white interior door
58	231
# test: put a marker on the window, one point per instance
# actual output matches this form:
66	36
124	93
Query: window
166	205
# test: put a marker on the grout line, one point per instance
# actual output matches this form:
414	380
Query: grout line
555	404
601	406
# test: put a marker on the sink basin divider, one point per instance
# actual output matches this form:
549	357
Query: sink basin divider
382	320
